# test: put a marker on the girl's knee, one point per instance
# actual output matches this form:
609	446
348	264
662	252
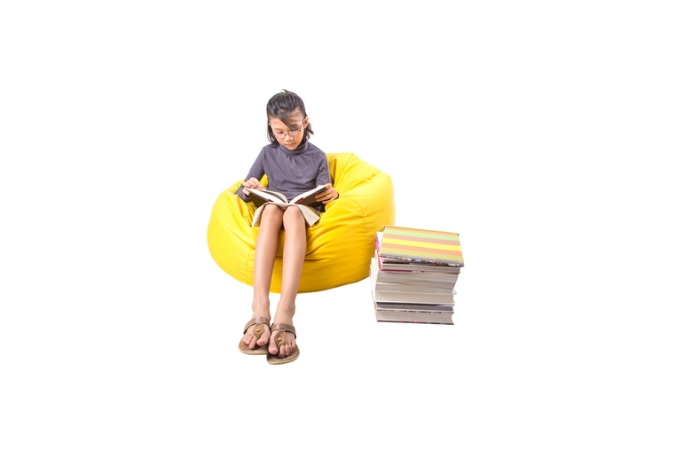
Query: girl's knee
293	216
272	213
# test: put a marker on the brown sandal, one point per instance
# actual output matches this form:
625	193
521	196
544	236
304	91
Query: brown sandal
259	330
279	339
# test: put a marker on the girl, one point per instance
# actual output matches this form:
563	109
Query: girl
293	166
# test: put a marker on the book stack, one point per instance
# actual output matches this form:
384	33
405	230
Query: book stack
413	275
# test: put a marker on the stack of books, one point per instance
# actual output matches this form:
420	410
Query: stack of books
413	275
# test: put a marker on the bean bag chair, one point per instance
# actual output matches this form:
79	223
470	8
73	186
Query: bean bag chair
339	246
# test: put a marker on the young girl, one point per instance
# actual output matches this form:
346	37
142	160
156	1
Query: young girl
293	165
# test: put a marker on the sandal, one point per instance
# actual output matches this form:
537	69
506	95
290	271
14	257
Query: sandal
280	338
260	329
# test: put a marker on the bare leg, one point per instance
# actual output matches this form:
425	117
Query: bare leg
294	256
265	252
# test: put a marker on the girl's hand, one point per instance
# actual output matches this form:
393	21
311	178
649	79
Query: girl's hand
328	195
252	183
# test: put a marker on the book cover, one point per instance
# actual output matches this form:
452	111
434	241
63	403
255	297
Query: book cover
419	288
413	313
419	244
431	319
415	321
413	307
425	268
415	277
389	265
414	297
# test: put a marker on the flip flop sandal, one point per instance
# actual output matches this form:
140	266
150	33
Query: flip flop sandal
257	332
279	339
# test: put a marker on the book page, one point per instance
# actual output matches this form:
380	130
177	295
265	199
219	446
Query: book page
266	196
308	197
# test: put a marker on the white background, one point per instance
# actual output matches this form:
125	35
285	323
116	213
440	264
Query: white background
544	127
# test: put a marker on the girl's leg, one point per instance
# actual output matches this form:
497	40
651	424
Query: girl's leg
265	252
294	256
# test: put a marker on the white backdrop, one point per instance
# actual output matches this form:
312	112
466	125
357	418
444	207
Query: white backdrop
539	133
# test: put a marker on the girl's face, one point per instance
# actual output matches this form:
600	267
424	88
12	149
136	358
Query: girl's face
289	137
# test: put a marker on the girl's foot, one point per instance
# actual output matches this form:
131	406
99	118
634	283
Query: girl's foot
260	309
249	339
288	345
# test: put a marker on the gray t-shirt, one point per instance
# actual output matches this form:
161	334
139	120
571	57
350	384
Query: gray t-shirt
290	172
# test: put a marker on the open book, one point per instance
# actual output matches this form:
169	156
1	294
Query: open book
263	198
260	197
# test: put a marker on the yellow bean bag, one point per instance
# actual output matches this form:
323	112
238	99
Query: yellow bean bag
339	246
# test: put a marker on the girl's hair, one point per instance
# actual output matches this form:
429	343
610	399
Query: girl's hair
282	105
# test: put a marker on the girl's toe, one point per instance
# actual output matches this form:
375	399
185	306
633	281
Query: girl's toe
272	347
264	338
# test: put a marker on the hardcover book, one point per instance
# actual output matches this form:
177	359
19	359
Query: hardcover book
425	281
415	268
391	265
413	244
414	313
401	293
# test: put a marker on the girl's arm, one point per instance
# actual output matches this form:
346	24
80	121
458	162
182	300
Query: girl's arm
323	177
252	179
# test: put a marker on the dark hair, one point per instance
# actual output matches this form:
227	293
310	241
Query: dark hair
282	105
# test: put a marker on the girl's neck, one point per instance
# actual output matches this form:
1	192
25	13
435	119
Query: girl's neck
299	148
